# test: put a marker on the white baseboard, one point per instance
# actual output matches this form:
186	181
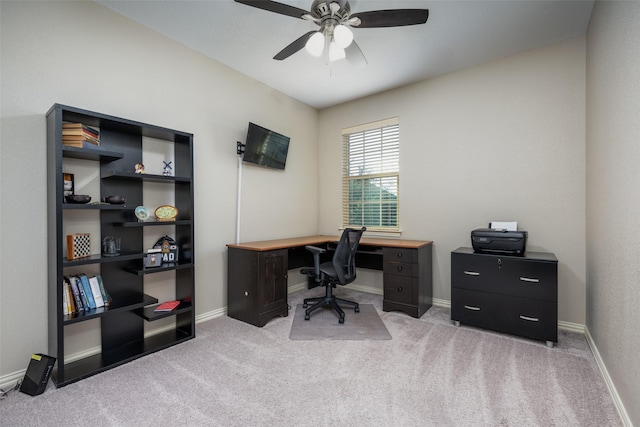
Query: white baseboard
624	416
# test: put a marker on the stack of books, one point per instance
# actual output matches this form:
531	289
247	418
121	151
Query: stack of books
79	135
82	294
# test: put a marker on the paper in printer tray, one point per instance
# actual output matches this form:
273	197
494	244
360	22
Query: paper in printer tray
499	241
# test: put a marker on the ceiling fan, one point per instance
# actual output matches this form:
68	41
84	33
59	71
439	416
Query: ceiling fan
334	17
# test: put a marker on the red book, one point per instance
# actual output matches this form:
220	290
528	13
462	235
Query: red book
167	306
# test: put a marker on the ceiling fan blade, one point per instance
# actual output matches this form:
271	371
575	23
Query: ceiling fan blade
354	55
294	46
272	6
391	18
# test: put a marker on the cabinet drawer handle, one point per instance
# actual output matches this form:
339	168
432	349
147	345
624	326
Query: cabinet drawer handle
527	279
530	319
399	254
399	288
470	307
399	268
471	273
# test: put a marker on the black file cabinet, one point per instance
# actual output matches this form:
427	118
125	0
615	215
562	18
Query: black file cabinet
511	294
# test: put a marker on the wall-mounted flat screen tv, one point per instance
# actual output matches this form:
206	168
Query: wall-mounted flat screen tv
265	147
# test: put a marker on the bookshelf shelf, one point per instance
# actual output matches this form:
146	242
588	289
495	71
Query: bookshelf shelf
89	206
153	223
122	304
150	270
112	174
116	356
121	326
91	154
99	259
148	314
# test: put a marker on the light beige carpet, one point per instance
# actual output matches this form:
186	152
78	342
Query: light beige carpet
431	373
323	325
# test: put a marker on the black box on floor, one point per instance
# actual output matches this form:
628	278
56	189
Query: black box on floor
38	373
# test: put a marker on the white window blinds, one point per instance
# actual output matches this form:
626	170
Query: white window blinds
371	175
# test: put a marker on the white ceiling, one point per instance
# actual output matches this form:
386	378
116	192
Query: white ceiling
457	35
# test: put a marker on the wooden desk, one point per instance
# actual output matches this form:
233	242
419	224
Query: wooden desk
257	274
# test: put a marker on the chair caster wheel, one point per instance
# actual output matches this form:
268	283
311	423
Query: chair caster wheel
341	320
307	317
357	309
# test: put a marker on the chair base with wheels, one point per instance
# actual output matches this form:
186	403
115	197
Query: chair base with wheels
328	300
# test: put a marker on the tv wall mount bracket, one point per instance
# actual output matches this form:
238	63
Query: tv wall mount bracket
240	148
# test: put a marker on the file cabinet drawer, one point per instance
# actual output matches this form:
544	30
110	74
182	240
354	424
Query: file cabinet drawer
519	316
515	276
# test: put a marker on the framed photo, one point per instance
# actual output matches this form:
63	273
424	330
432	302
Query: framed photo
68	185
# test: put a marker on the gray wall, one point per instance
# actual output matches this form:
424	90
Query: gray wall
84	55
499	141
613	194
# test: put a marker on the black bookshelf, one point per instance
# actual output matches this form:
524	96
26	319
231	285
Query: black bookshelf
122	333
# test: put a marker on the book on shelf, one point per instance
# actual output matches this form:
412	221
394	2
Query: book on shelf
87	291
82	144
167	306
76	293
79	127
105	296
83	297
66	308
95	291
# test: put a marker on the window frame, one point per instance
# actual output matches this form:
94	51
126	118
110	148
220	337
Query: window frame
384	147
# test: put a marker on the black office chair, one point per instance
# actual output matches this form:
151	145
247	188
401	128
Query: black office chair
340	271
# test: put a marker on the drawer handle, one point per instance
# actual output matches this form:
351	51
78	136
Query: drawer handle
399	254
470	307
399	288
530	319
527	279
471	273
399	268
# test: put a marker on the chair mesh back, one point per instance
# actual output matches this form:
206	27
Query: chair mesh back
344	258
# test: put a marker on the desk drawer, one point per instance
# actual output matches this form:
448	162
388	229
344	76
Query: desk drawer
400	269
400	255
401	289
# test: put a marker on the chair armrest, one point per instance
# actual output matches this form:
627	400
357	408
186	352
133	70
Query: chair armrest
315	250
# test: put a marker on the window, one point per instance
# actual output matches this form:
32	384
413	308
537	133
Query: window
371	174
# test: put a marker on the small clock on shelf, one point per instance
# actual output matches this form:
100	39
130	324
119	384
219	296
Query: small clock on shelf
166	213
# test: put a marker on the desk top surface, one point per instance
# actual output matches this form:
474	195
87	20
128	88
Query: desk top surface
269	245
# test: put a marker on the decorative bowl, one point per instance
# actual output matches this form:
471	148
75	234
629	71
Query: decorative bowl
77	198
166	213
115	200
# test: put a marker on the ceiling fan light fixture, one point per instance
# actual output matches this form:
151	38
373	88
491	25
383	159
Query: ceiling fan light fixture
343	36
315	44
336	52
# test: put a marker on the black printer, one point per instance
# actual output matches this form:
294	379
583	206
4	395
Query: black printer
501	241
